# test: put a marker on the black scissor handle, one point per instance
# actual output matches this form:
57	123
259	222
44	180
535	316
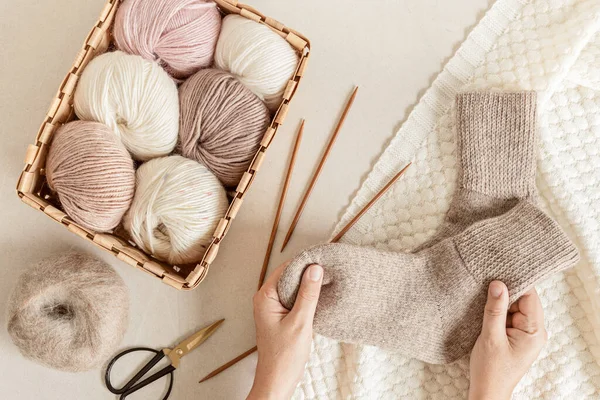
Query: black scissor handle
167	370
132	385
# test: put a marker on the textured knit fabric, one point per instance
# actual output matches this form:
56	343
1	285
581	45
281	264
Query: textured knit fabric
542	45
496	140
429	305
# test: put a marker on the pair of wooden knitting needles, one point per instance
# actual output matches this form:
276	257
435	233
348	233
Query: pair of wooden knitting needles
307	193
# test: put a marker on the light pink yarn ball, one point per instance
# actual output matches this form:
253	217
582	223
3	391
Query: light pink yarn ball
181	35
92	174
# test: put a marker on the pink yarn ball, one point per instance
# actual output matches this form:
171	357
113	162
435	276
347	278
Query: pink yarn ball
92	174
181	35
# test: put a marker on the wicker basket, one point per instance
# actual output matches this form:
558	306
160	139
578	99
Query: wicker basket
33	190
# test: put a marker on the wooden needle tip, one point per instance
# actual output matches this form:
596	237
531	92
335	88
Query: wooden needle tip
366	208
228	364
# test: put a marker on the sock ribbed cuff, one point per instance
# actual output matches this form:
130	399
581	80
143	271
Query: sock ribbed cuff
496	143
519	248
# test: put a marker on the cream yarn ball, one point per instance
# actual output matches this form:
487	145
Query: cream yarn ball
176	208
68	312
135	97
261	59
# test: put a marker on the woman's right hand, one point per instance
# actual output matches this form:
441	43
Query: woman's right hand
283	337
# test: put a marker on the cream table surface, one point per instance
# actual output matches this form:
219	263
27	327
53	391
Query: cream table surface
391	48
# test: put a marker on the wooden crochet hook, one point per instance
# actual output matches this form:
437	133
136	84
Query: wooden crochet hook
337	237
315	176
282	197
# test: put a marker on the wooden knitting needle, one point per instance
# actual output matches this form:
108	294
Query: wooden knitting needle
286	183
334	240
369	205
229	364
263	271
315	176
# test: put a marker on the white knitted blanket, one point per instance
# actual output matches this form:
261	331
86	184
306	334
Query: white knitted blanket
553	47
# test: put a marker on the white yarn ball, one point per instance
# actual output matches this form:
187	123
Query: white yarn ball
135	97
260	58
176	208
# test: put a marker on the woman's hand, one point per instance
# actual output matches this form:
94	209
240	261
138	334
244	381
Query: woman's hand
508	344
283	337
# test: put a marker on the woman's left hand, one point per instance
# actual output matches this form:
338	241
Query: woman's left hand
283	337
510	341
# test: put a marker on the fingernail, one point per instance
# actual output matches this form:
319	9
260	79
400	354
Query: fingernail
496	289
315	272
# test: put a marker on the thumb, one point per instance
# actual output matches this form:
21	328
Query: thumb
308	294
496	307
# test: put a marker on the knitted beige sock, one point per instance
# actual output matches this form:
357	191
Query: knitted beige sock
496	139
429	305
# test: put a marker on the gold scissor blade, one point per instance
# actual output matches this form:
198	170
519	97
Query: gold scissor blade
198	338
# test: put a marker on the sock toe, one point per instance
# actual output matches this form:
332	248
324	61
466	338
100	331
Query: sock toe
329	256
290	279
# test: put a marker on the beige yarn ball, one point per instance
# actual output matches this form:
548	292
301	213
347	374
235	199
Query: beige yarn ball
222	123
260	58
176	208
68	312
135	97
92	173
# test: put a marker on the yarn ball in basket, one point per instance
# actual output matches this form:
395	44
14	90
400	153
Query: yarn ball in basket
180	35
222	123
259	57
92	174
176	208
135	97
68	312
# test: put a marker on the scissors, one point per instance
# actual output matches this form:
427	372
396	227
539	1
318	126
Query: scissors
174	355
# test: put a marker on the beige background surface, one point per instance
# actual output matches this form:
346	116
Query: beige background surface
391	48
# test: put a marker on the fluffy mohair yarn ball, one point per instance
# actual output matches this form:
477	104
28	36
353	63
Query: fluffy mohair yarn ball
92	174
222	123
260	58
180	35
135	97
176	208
68	312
